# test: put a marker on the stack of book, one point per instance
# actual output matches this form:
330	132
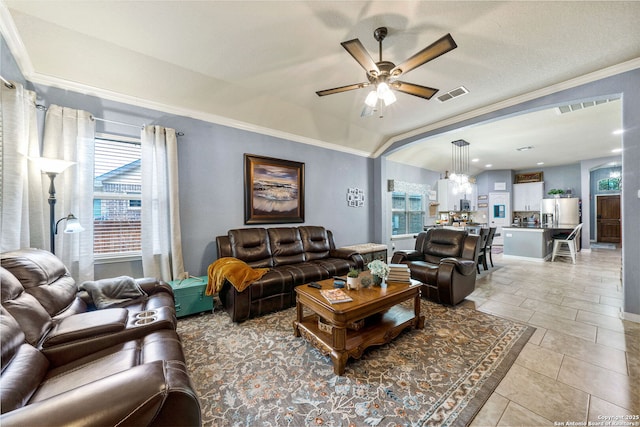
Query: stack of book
399	273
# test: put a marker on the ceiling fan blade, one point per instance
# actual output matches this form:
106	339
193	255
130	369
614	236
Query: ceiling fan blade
440	47
342	89
415	90
360	54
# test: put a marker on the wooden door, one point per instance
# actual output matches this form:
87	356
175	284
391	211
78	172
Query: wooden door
608	219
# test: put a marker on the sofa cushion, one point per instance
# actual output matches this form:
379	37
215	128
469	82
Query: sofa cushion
159	345
425	272
315	241
33	319
335	266
275	281
23	367
251	245
286	246
305	272
440	243
44	276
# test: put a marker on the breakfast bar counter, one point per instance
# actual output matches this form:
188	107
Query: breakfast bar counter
534	243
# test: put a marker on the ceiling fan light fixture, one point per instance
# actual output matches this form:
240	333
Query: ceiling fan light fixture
384	92
388	98
372	99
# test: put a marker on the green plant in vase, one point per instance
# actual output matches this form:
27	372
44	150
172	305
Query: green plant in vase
352	278
555	192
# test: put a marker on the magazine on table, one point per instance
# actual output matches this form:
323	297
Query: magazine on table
335	296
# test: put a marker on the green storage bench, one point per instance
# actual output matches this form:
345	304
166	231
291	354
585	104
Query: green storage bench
190	297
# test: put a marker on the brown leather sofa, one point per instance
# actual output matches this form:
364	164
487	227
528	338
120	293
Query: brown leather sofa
445	262
294	255
64	363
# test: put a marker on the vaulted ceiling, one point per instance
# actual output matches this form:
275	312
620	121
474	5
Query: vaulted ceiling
257	65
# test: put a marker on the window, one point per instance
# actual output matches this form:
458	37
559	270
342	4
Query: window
407	213
117	193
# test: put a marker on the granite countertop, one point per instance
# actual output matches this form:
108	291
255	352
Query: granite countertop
540	226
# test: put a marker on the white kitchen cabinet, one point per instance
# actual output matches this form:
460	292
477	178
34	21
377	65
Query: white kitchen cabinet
449	200
527	196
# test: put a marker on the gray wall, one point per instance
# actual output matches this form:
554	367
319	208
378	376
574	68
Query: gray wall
486	181
565	177
410	174
627	86
211	176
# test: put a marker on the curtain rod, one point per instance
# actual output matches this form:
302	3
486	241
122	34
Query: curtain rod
178	133
7	83
41	107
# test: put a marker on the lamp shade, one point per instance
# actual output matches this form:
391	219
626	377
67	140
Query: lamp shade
48	165
73	225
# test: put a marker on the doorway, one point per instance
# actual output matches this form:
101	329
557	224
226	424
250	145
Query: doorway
608	220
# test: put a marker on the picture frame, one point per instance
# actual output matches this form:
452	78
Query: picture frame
273	190
522	178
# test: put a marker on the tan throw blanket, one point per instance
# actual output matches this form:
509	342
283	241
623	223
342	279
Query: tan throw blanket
236	271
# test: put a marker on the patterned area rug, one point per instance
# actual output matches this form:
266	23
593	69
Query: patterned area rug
257	373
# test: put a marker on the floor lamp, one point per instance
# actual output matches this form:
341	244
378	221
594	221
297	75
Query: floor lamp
53	167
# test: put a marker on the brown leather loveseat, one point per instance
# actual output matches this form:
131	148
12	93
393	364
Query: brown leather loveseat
66	364
294	255
445	262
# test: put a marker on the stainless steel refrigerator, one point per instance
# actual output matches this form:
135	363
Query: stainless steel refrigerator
563	212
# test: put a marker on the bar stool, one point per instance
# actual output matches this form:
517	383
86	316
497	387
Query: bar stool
570	242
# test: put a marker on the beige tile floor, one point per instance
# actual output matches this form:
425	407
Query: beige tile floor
583	361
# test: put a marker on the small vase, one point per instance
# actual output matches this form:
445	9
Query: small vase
353	283
377	280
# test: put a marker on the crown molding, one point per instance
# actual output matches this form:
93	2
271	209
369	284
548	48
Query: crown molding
587	78
14	41
46	80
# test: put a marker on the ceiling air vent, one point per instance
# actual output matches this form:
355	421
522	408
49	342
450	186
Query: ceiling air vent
562	109
454	93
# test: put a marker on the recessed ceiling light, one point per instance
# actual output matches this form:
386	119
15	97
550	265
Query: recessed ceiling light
488	166
616	150
475	160
540	163
618	132
527	148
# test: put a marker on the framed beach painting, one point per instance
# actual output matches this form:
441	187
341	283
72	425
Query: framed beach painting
273	190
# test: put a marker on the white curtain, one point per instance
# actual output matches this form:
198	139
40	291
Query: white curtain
22	223
69	135
161	241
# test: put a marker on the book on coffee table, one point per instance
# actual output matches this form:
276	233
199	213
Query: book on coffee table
399	273
335	296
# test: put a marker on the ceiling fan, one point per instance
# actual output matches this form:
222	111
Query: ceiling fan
384	74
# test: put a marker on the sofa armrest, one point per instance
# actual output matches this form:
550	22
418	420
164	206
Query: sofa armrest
342	253
152	393
462	266
405	256
348	254
86	325
151	285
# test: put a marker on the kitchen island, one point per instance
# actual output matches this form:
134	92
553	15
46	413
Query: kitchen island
531	242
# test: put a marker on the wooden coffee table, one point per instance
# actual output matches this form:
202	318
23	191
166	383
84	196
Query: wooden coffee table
374	317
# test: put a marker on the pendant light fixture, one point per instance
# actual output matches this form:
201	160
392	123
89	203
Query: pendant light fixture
460	166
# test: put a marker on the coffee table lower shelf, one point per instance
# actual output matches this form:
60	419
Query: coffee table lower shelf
378	329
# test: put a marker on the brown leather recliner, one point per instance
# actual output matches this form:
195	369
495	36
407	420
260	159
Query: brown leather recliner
445	262
65	366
